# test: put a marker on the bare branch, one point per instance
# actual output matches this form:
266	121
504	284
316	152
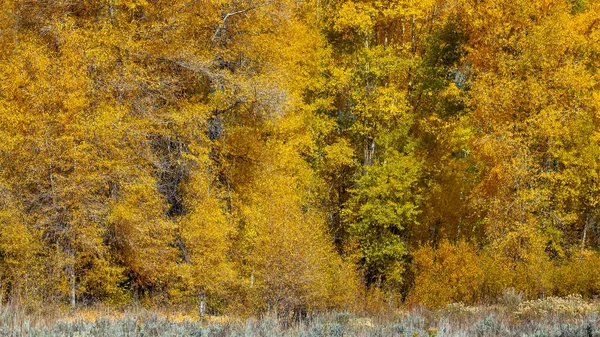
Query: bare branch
222	29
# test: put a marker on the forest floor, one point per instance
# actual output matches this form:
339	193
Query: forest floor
553	317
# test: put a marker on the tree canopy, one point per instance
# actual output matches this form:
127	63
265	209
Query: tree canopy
298	155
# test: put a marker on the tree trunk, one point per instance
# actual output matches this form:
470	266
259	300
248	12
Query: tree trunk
73	291
202	306
73	284
589	219
413	51
369	151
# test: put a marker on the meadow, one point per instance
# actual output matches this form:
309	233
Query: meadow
552	317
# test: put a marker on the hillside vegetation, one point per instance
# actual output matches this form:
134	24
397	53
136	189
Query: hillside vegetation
298	156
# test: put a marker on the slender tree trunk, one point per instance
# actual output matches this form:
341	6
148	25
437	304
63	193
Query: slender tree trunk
369	150
588	221
413	45
73	284
584	235
73	303
402	30
202	306
413	51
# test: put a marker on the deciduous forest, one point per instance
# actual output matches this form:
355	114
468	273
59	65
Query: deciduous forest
297	156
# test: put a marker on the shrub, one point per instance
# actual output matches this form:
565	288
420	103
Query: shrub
511	298
491	325
578	274
571	307
450	273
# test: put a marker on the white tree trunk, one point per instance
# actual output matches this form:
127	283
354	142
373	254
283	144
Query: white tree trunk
71	271
202	306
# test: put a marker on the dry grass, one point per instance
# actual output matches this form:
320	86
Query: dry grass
552	317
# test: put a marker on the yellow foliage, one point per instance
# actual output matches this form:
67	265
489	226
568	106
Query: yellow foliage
579	274
448	273
296	155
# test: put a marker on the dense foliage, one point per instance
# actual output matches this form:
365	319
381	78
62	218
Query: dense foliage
298	155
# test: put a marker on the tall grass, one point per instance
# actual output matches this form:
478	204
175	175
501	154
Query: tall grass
551	317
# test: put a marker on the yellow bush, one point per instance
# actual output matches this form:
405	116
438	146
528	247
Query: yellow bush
517	259
450	273
579	274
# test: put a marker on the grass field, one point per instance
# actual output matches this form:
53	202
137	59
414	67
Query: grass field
414	326
552	317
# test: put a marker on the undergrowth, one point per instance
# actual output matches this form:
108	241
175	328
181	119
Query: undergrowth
550	317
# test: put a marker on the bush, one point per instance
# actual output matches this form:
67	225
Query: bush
450	273
571	307
579	274
511	298
490	326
